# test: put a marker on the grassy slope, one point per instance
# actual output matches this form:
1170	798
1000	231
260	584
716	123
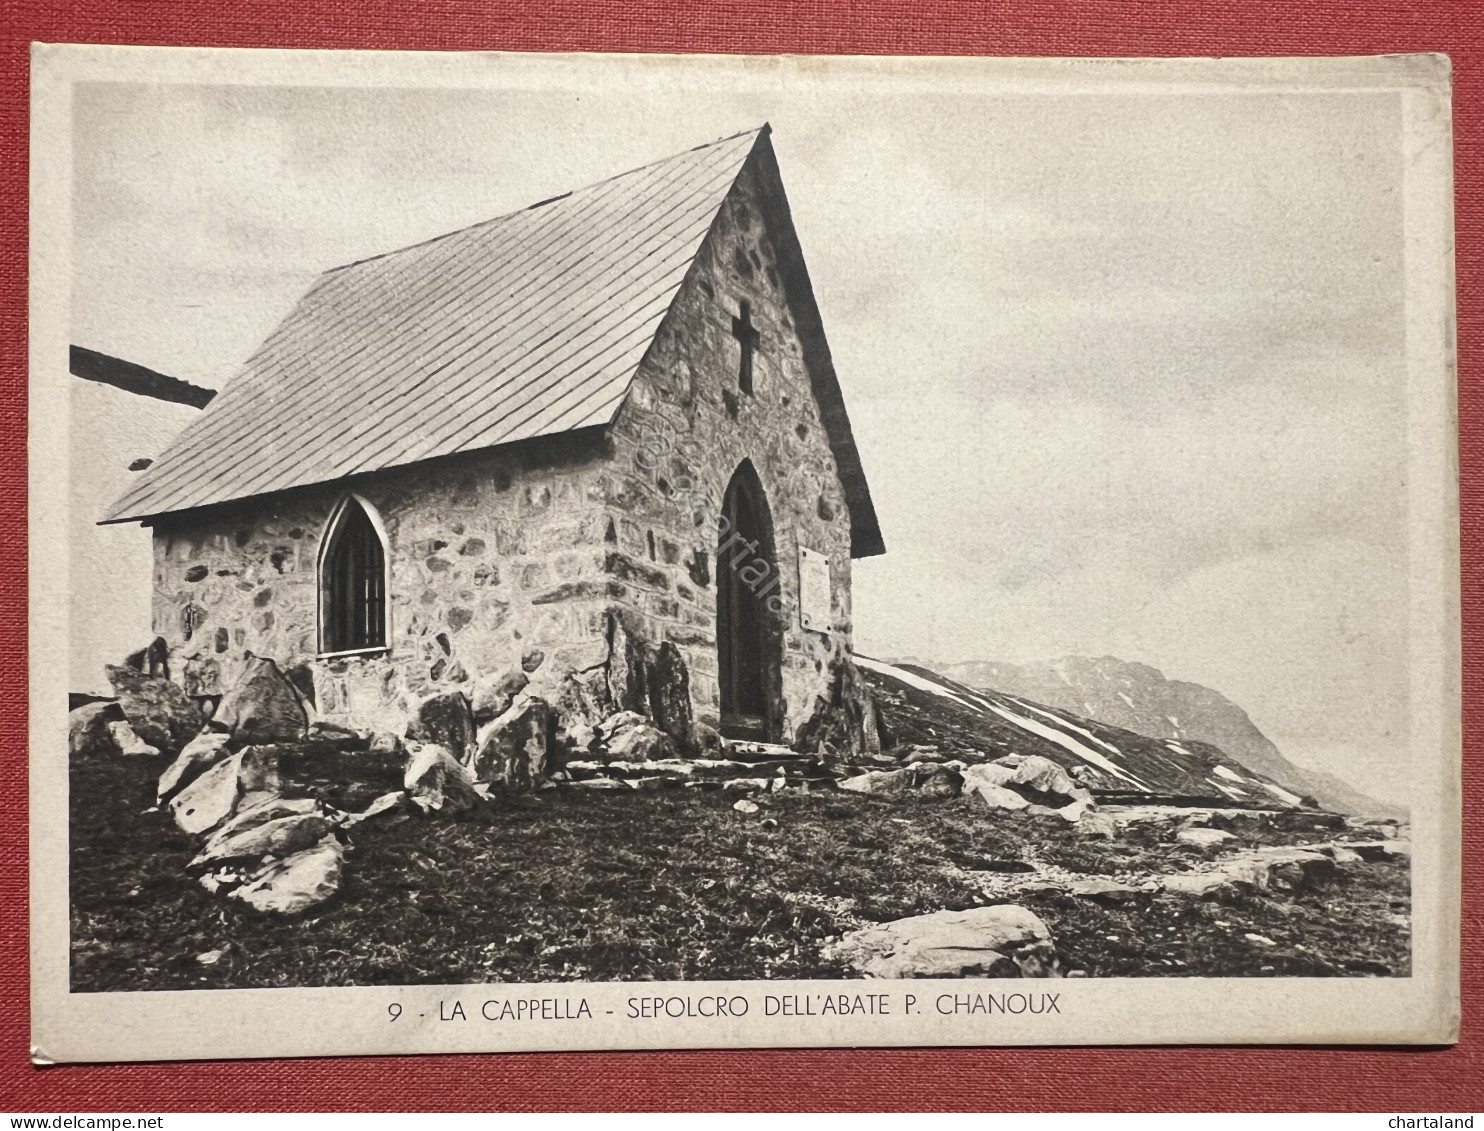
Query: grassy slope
607	886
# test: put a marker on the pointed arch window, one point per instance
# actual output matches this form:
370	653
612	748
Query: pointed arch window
353	580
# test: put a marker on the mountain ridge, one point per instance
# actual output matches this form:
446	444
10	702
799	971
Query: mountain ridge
935	717
1140	698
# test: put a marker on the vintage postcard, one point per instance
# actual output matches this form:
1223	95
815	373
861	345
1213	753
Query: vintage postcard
597	552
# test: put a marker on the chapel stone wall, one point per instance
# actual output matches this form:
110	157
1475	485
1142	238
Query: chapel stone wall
686	428
491	557
541	546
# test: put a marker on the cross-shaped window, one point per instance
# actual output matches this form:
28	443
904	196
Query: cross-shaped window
745	333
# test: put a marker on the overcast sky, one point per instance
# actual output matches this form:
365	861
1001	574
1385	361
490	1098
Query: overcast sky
1125	370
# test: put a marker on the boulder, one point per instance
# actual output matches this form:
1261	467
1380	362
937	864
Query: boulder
1295	869
1203	838
745	806
445	720
985	784
1004	940
651	681
615	725
1029	782
707	741
580	703
628	661
159	712
261	707
1074	812
1044	776
579	741
493	694
997	797
123	737
297	882
201	679
747	785
154	658
988	773
532	660
88	733
1373	852
242	781
844	718
1202	885
883	783
668	684
278	837
436	781
328	736
1244	873
1279	868
642	743
871	726
200	754
941	785
513	747
386	803
1093	823
928	779
1107	893
271	810
385	745
301	677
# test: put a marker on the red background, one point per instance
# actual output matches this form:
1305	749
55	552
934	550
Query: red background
909	1079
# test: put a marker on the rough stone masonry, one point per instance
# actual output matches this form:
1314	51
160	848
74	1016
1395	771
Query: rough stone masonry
560	545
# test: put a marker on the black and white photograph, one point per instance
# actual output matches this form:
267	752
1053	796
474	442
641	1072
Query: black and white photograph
815	540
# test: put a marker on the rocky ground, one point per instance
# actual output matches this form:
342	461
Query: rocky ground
507	836
669	880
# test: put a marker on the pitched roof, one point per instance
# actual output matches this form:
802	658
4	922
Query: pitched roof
526	325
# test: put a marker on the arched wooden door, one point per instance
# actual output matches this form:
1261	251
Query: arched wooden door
749	639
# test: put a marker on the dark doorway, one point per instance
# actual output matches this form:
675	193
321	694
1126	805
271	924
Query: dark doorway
749	638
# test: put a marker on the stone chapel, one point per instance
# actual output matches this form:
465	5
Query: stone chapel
606	422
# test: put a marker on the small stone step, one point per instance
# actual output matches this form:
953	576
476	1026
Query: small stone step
764	752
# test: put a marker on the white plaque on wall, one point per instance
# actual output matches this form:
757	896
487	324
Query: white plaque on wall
814	590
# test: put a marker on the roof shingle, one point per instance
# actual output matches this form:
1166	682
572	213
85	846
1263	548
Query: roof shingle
522	326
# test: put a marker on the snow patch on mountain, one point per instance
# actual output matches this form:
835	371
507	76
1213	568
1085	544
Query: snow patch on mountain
1280	793
1067	742
912	679
1066	723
